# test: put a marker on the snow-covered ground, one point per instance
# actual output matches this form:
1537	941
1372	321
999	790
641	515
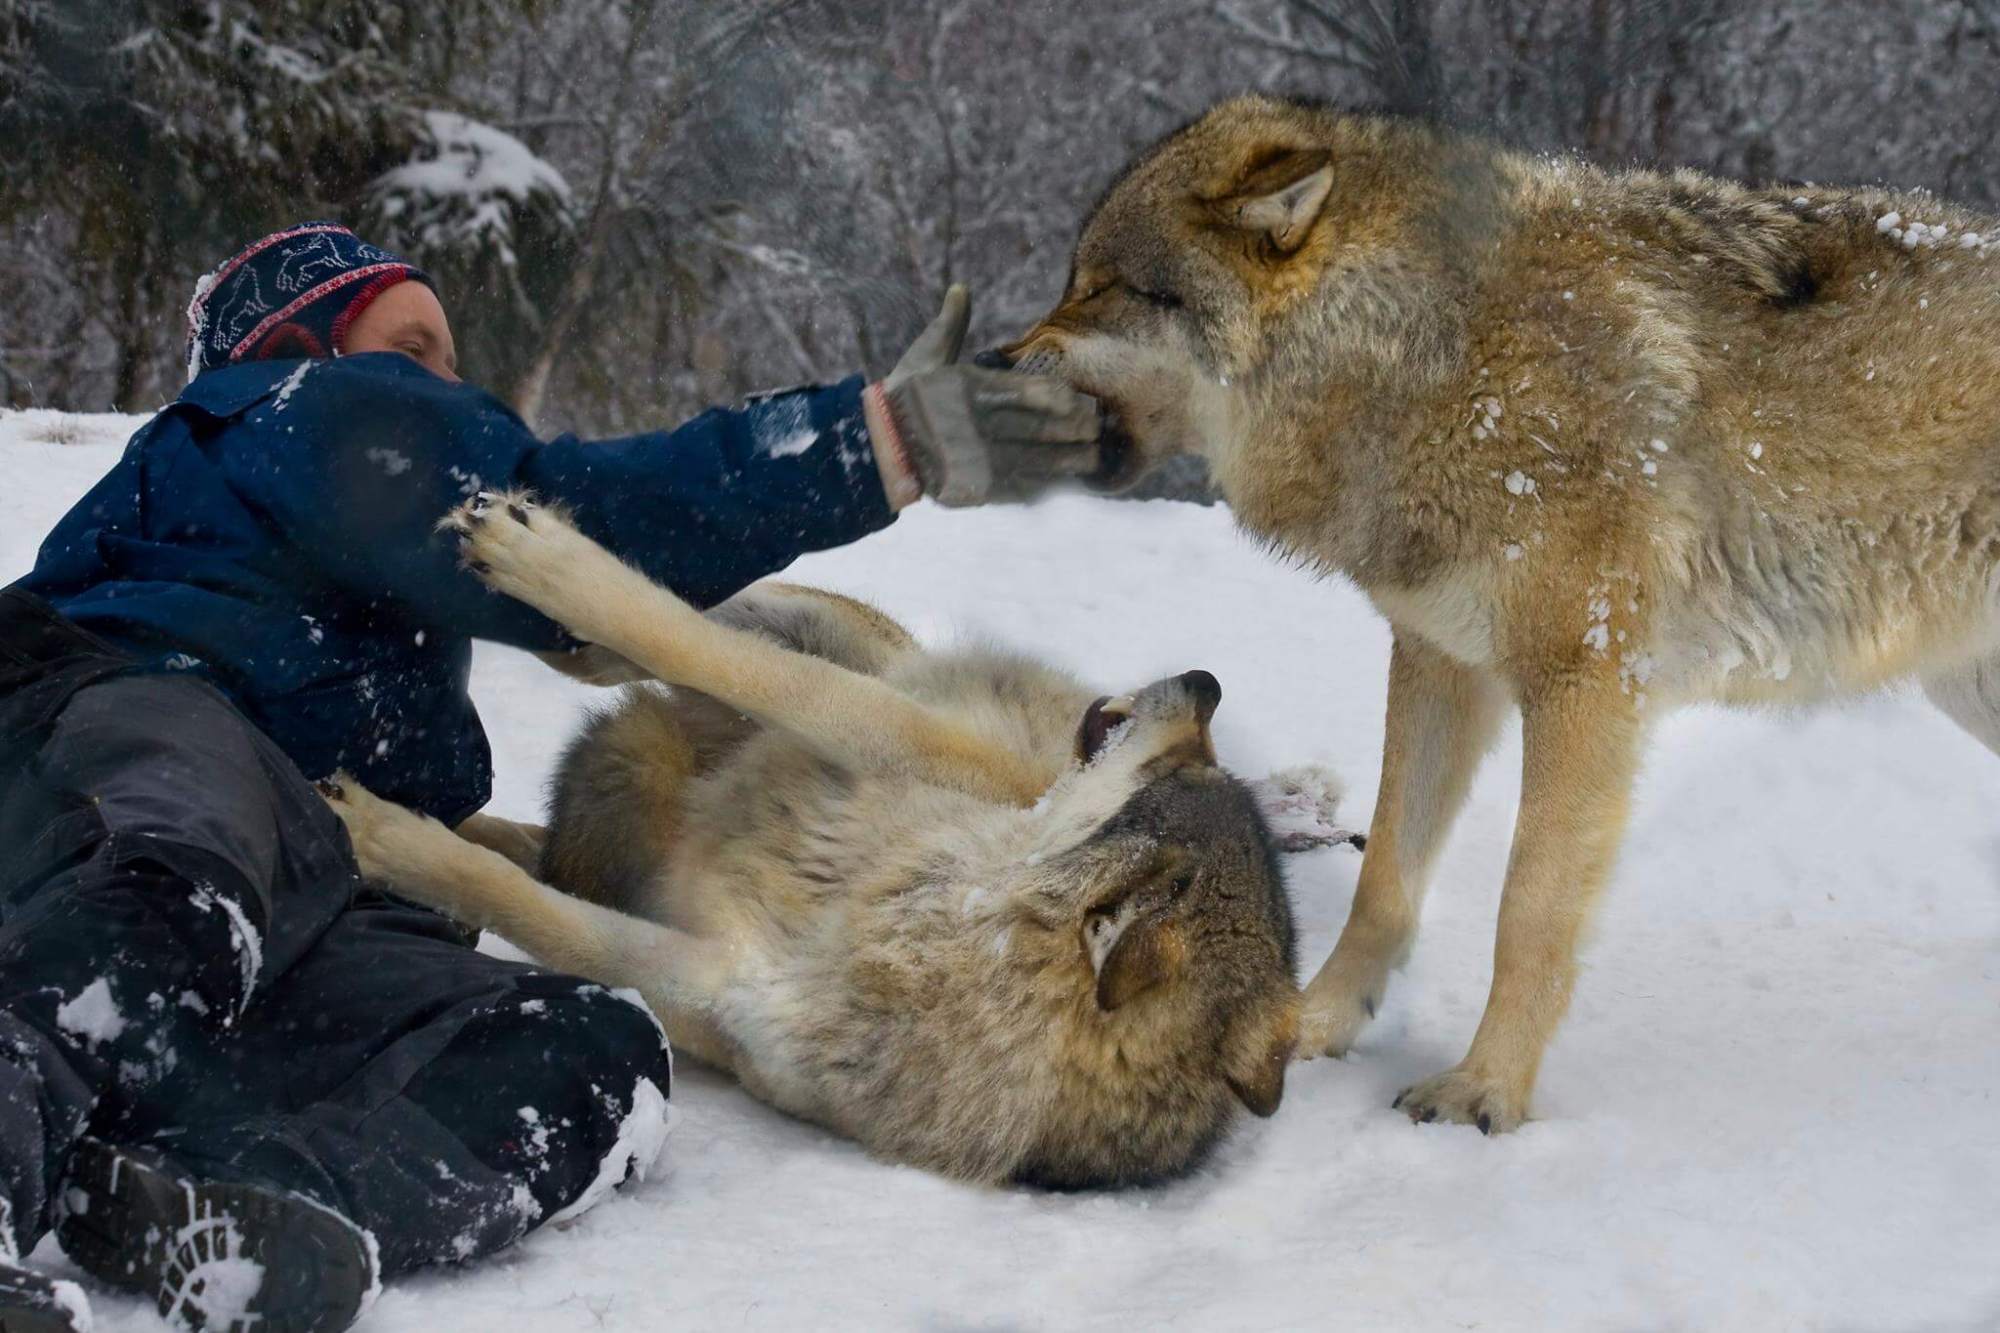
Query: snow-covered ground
1776	1103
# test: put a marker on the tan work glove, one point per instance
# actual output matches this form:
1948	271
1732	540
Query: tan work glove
969	435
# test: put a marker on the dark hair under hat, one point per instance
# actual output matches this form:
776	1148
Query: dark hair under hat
293	293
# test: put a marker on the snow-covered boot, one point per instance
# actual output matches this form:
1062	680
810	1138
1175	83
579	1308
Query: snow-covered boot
32	1302
226	1256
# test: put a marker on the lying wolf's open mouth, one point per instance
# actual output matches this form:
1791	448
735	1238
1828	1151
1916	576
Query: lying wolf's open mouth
1103	717
1117	452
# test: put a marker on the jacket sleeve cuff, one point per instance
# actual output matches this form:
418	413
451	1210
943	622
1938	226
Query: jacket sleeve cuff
845	456
819	441
900	482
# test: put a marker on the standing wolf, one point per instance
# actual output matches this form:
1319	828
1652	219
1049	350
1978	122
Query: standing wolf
1596	444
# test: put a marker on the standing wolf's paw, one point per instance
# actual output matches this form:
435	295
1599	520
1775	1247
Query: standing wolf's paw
1466	1098
1330	1029
391	844
1343	997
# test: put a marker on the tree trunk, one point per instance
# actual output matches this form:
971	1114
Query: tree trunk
532	388
134	339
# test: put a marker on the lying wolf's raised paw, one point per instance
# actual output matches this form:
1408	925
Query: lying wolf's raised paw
522	548
1465	1098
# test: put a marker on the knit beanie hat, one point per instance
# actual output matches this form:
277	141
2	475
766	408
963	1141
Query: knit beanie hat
294	293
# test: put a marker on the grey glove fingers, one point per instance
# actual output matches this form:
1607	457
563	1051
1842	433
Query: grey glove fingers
1025	471
1030	407
1062	458
1040	428
939	343
1008	388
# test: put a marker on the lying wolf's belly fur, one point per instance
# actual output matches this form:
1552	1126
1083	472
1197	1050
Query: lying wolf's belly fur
906	962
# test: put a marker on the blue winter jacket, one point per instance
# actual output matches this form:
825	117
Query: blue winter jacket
274	530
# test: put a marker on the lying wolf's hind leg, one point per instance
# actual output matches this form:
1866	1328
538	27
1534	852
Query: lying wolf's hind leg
518	842
616	805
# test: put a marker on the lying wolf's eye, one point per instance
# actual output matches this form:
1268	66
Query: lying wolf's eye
1164	300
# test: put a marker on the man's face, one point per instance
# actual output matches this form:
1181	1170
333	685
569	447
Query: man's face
408	319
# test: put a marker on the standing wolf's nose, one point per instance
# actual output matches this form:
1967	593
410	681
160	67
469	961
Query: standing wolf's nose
1205	690
994	359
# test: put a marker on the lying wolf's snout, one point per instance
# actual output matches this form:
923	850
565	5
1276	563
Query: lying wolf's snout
1205	690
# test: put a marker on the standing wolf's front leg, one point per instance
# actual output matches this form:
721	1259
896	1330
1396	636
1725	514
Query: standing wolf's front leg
1441	720
1580	736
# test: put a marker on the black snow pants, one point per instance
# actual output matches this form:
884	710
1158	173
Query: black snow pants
189	960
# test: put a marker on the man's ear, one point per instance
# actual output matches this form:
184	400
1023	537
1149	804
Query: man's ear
1282	197
1131	954
1259	1048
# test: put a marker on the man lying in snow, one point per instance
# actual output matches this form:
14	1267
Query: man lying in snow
233	1077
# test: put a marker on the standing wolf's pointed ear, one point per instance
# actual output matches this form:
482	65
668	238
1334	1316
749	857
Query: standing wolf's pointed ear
1282	197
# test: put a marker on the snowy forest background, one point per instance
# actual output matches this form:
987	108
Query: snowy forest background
635	208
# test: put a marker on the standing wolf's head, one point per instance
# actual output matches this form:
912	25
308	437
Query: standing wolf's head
1244	253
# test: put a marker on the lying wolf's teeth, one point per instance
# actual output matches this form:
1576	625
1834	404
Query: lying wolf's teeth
1119	707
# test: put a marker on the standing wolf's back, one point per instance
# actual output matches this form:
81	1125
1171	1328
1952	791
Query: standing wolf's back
1808	419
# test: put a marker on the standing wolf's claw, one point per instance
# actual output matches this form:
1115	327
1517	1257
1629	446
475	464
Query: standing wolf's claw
1463	1097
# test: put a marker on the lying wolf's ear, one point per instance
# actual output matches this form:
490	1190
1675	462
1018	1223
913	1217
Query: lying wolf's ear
1259	1049
1131	954
1282	197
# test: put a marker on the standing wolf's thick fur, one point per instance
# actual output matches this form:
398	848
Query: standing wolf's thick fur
946	904
1596	443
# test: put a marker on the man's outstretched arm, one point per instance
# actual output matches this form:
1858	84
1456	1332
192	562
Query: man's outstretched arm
356	467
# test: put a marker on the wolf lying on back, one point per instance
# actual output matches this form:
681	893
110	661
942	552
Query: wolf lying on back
1596	443
945	904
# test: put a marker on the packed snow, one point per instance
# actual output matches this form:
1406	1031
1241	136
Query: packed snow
1775	1105
92	1014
